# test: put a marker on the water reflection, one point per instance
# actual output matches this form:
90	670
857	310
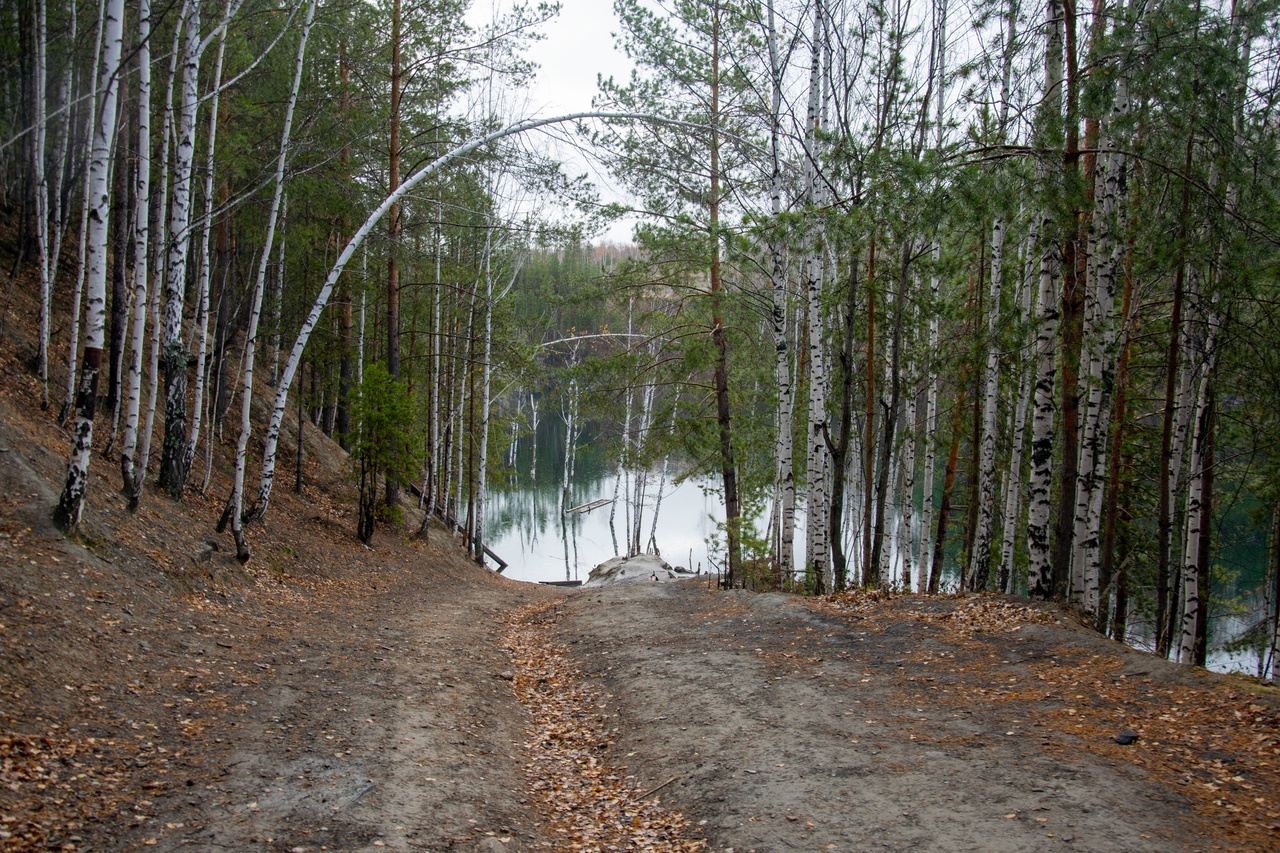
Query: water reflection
527	528
525	525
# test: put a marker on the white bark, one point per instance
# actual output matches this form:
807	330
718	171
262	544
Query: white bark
141	239
47	263
155	267
95	108
486	375
907	543
1030	304
642	471
486	399
817	513
272	439
925	560
1101	336
97	188
203	272
1193	598
1039	568
884	517
784	444
567	413
437	383
57	213
464	386
987	456
172	475
235	503
662	480
533	428
981	569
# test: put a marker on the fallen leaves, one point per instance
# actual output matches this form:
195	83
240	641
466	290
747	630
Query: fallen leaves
1219	746
1215	745
587	804
983	613
53	786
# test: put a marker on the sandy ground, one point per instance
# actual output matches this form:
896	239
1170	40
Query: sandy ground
154	695
789	729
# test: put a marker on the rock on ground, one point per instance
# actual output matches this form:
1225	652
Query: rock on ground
649	568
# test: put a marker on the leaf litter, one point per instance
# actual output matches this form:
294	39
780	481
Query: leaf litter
588	804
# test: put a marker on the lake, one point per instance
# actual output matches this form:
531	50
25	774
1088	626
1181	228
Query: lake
525	526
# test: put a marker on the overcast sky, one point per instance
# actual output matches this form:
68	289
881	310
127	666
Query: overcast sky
579	44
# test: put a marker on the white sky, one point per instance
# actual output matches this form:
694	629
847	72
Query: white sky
579	45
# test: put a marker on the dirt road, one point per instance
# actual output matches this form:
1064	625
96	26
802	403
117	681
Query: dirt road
154	695
785	728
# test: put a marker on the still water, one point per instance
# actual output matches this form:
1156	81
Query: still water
525	527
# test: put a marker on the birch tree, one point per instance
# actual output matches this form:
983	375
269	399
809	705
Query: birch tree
202	266
817	506
132	481
71	504
1040	568
784	443
985	532
47	263
235	503
173	473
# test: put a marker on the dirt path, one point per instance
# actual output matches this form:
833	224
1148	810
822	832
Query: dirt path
387	726
787	728
154	695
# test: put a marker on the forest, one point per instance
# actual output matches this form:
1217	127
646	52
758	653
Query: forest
946	296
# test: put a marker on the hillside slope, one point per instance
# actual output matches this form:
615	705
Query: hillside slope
154	694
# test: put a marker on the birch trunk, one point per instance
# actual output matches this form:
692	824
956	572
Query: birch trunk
433	462
235	503
1039	564
202	276
486	376
1100	345
272	438
132	481
172	473
642	472
991	393
925	559
907	536
1192	595
533	448
1023	401
155	267
1274	653
784	444
817	521
662	480
47	264
94	106
1165	494
57	209
985	532
71	504
880	558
